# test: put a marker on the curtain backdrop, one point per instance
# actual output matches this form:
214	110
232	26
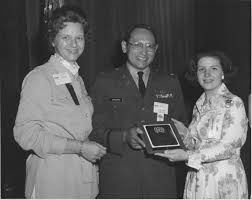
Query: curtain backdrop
23	38
109	20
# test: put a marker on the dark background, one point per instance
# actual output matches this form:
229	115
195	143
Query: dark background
184	27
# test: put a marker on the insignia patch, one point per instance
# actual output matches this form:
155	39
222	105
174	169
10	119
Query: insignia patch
164	96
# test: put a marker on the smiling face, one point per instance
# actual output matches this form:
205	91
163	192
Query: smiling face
69	42
140	48
209	74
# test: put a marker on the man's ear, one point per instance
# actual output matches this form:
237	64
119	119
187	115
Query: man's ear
124	46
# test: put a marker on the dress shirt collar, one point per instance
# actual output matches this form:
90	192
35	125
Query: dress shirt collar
134	74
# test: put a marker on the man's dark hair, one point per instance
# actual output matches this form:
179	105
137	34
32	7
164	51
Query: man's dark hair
141	26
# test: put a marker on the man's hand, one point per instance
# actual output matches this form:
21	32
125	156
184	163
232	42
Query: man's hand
92	151
133	139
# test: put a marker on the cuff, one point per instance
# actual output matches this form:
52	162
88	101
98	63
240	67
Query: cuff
194	160
115	141
58	145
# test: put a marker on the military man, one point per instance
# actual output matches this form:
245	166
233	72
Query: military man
124	99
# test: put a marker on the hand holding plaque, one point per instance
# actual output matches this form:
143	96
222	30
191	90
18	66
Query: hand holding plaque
161	136
133	138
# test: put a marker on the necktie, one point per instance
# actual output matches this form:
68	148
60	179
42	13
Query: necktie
141	85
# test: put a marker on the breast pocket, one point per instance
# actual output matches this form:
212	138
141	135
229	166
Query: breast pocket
123	112
117	108
61	96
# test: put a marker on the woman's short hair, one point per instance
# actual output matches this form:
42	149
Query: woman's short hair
225	62
65	14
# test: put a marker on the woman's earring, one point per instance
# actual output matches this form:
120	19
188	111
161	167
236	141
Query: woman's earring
222	77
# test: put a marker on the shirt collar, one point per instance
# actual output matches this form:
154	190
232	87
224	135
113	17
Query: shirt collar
133	71
222	91
72	67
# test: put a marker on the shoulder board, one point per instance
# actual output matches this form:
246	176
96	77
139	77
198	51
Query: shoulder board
174	76
109	73
162	73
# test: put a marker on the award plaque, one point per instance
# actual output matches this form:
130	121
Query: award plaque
159	137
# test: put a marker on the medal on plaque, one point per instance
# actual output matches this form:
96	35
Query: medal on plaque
161	136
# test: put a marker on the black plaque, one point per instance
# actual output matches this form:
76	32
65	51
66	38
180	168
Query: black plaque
159	137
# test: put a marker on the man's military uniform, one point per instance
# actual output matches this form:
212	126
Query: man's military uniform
118	105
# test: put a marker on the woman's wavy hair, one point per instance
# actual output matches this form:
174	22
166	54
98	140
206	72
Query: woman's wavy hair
228	69
64	14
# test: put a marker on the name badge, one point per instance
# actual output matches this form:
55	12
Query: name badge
116	100
62	78
160	108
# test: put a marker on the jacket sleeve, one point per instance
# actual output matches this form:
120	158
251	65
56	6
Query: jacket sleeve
233	136
103	129
29	130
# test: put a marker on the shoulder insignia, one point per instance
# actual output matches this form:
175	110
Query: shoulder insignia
173	76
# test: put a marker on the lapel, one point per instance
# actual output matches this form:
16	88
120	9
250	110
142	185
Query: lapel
150	84
55	67
126	83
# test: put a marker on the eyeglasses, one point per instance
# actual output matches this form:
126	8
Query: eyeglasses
140	46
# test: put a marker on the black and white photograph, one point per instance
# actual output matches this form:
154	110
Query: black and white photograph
84	82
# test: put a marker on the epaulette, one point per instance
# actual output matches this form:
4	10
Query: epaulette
173	76
165	74
110	74
103	74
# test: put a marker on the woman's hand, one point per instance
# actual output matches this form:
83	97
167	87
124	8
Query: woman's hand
92	151
174	155
182	129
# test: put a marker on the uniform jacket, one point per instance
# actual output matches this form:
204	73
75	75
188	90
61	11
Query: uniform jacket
217	132
124	172
47	116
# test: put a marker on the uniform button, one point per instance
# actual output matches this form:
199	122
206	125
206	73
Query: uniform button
143	108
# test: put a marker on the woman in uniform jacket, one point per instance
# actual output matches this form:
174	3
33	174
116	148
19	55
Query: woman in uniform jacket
54	117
